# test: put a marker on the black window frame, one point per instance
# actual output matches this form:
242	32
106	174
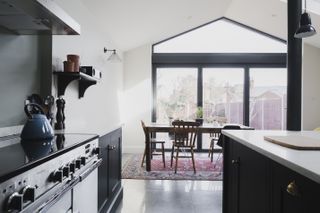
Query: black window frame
240	60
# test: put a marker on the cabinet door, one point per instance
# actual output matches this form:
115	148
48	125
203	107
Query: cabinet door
103	172
253	181
114	162
294	193
230	177
246	180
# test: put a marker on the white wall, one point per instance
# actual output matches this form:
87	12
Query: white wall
98	111
310	87
137	97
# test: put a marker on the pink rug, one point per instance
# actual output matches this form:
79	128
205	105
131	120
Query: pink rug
205	169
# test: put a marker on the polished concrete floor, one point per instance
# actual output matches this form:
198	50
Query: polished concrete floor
167	196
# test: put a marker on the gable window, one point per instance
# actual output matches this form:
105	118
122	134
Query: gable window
236	73
221	36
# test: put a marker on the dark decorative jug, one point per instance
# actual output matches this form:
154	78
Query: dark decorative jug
37	127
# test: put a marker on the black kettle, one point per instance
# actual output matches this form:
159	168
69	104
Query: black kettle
37	127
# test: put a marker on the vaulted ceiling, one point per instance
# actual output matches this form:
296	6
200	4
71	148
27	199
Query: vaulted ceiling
132	23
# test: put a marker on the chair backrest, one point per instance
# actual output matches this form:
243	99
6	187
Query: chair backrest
231	127
185	132
220	143
144	128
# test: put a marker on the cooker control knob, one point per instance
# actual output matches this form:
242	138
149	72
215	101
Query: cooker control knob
78	163
66	171
15	202
83	160
28	193
96	151
72	167
57	176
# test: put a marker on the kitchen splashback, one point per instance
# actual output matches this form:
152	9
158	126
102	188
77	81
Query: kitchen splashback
25	64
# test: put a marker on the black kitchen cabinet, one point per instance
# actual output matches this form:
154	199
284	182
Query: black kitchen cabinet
103	171
255	183
114	163
109	173
294	193
246	180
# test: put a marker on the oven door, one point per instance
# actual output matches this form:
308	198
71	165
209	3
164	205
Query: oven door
63	205
85	194
79	196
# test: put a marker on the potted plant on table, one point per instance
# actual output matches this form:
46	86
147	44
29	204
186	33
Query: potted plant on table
199	115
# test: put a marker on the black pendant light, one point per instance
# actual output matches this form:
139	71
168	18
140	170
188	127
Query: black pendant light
305	29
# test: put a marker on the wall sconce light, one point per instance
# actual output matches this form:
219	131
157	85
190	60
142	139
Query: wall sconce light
114	57
305	29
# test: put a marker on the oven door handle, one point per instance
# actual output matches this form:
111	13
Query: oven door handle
86	173
57	197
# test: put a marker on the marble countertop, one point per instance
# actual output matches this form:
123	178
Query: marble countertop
306	162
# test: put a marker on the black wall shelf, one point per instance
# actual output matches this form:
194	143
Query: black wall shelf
65	78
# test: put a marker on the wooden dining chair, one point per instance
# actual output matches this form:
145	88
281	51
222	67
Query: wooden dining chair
228	126
153	144
219	141
185	134
213	137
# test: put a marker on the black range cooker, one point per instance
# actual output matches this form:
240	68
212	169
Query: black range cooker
58	175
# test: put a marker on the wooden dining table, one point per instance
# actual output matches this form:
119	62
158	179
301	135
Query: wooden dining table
156	127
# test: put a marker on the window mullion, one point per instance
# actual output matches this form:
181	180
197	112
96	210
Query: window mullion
246	96
200	87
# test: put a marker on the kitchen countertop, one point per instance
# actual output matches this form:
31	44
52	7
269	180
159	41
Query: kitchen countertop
17	156
306	162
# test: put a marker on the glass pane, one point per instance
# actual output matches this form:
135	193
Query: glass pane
268	98
176	94
223	95
219	37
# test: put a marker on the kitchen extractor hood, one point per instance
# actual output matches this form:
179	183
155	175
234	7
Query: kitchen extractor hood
36	17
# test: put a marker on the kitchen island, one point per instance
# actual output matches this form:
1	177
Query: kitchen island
260	176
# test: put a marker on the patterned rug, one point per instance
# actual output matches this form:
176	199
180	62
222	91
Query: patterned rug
206	170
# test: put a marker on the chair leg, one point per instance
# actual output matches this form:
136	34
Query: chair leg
143	157
163	156
177	156
192	155
211	150
153	147
210	147
217	159
172	150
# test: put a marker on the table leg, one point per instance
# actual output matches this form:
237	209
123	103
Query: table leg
148	154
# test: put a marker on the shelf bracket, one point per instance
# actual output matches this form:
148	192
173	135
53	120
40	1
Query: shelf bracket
83	86
63	82
64	79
